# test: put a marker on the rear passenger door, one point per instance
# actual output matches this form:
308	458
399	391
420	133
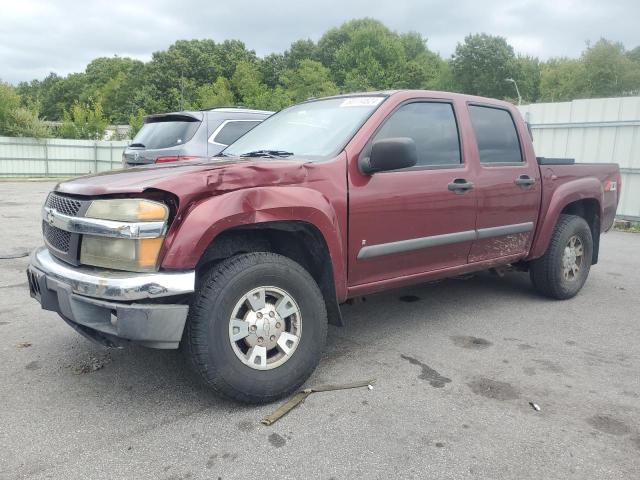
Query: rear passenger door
508	185
410	221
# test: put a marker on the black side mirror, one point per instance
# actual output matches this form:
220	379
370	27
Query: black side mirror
389	154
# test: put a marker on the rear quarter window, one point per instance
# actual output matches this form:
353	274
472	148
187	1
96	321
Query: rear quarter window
231	130
496	135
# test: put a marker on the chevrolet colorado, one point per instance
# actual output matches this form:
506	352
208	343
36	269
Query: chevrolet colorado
242	260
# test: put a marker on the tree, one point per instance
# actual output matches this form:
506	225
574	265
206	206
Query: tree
562	79
609	71
84	121
253	93
526	73
423	68
481	65
216	94
9	101
298	51
310	79
136	120
17	120
370	56
23	122
271	68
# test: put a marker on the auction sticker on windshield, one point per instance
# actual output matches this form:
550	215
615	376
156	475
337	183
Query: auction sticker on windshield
361	102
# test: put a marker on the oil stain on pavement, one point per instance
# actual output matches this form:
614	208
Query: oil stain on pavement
609	425
277	440
473	343
493	389
429	374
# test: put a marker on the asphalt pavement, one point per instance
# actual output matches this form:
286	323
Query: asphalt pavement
456	366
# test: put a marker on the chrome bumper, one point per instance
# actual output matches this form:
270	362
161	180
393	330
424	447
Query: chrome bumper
112	307
113	284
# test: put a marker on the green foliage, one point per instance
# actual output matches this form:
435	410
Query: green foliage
23	122
216	94
17	120
609	71
562	79
84	121
136	120
9	101
372	57
310	79
481	65
361	54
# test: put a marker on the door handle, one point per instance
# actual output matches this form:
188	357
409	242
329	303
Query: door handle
460	186
524	181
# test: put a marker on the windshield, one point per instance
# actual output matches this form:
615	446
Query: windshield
164	134
315	130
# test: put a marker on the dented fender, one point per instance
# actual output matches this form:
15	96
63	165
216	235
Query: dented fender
292	194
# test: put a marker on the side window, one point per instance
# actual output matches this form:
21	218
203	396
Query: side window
496	135
432	126
232	130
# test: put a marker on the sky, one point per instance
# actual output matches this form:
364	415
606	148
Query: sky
62	36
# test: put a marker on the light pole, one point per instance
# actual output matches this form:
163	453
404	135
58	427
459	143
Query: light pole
511	80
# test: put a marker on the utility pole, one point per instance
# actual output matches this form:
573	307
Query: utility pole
511	80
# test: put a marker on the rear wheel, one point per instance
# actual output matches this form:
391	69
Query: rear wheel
563	269
256	328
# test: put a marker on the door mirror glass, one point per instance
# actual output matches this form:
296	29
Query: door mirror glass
389	154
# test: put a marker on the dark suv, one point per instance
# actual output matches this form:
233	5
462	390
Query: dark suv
169	137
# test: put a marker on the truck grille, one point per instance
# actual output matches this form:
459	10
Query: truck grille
65	205
58	239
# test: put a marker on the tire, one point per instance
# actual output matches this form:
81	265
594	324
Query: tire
550	275
231	368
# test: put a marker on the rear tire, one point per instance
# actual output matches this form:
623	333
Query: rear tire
562	271
256	329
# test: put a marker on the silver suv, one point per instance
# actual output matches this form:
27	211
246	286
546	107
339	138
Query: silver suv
170	137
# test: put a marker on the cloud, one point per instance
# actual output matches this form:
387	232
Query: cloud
40	36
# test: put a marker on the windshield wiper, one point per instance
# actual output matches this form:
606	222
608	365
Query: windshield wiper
267	153
137	145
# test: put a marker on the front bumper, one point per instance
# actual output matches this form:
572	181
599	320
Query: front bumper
113	307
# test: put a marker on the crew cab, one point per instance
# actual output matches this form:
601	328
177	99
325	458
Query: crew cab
241	260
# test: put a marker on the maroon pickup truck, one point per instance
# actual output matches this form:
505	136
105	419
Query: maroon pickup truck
243	259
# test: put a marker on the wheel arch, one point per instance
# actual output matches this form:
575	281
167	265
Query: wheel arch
582	198
298	240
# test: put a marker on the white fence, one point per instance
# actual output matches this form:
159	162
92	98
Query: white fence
53	157
595	131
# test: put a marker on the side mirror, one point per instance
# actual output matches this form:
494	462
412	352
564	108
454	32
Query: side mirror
389	154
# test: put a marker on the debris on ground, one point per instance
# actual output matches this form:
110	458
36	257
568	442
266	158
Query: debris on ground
23	345
302	395
93	364
535	406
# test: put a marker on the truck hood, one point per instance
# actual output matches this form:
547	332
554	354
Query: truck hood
190	177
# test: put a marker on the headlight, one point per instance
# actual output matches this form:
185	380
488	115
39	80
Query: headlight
127	210
120	253
138	254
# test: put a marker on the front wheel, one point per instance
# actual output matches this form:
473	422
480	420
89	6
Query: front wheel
256	328
562	271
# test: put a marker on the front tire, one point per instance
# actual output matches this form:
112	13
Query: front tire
562	271
257	326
